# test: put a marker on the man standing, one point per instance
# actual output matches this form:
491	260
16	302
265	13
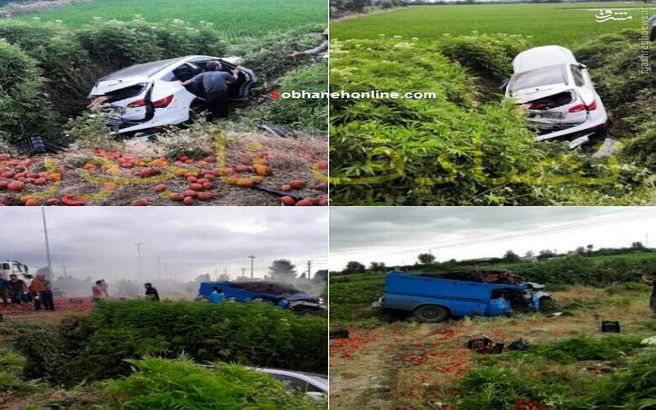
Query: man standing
4	290
216	296
648	279
151	292
17	288
99	291
213	85
38	289
46	298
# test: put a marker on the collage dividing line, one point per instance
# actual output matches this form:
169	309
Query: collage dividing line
327	204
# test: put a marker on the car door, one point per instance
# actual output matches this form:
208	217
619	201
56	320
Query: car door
240	90
170	99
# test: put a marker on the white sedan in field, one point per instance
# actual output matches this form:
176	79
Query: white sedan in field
151	95
557	93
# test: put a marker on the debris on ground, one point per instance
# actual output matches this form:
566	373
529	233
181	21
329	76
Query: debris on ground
610	326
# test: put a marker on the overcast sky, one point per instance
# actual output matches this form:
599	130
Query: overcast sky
396	235
100	241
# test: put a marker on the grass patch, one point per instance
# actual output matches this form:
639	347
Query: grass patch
237	19
564	24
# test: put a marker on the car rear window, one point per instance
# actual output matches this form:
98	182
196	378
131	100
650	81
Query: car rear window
554	74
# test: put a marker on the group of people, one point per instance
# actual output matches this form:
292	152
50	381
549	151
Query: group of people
17	292
100	291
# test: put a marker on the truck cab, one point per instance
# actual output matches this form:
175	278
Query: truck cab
11	267
435	297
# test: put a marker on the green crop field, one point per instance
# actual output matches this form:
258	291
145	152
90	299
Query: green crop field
564	24
236	17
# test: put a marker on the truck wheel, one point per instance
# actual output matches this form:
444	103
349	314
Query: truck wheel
431	314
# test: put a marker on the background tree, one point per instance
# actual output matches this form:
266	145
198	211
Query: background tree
426	258
511	256
637	245
282	269
321	275
354	267
546	254
378	266
590	247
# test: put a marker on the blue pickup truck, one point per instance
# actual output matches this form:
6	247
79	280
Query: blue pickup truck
277	293
435	297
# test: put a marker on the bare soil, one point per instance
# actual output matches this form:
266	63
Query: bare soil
407	365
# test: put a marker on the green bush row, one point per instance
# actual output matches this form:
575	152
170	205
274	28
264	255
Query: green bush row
95	348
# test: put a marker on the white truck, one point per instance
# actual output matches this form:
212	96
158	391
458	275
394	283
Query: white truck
11	267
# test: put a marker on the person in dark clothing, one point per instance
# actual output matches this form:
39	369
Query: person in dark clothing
17	288
4	290
652	22
651	281
151	292
46	297
213	85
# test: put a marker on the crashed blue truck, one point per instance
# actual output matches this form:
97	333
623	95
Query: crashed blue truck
436	297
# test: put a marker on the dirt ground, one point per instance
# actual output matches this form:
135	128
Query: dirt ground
64	307
235	170
411	366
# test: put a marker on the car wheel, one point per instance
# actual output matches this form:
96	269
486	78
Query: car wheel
431	314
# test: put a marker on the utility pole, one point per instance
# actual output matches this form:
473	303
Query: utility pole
139	257
252	258
158	267
64	269
45	233
309	271
243	272
166	270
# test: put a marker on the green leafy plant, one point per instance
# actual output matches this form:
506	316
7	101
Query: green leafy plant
181	384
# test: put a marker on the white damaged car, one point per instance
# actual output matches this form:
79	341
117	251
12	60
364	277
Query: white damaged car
557	93
151	95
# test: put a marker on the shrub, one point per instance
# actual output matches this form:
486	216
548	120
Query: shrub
633	387
180	384
11	374
306	114
94	348
611	348
486	55
24	106
268	56
256	334
68	73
